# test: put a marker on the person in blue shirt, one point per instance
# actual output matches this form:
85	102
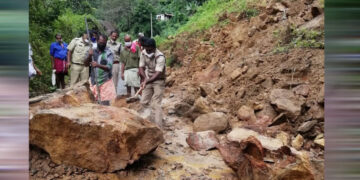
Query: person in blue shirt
58	53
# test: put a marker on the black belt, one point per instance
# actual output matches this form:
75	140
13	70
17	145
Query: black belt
77	64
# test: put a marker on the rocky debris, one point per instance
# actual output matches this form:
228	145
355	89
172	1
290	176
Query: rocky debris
316	23
267	84
245	158
204	140
298	142
319	140
302	90
281	118
285	100
317	112
206	89
64	98
306	126
298	170
201	106
267	110
246	113
216	121
210	74
283	137
181	108
99	138
239	134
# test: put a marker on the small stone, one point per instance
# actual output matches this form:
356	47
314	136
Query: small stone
171	111
171	95
278	120
246	113
306	126
203	153
234	75
319	140
302	90
298	142
269	160
284	137
168	142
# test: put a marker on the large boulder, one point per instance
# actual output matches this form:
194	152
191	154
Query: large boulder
216	121
245	158
99	138
62	98
286	101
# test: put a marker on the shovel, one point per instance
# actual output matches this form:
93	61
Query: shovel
135	97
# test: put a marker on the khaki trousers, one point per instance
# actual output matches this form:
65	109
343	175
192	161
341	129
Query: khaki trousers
116	74
153	93
79	73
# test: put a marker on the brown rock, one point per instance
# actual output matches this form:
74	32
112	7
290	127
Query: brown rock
240	134
306	126
201	106
206	89
298	142
267	110
246	113
268	83
245	158
181	108
283	137
302	90
204	140
294	171
216	121
235	74
99	138
317	112
319	140
285	100
210	74
64	98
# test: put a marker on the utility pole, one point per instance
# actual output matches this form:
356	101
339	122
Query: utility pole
151	25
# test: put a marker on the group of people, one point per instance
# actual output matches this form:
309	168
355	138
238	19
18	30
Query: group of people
105	62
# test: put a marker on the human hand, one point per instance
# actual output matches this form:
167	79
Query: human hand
94	64
91	52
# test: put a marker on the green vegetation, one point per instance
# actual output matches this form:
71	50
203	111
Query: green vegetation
48	18
299	38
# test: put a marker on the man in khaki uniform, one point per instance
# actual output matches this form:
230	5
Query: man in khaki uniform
78	58
152	70
130	65
115	48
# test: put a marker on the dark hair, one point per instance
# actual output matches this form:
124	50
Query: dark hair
82	33
150	43
114	31
58	34
103	36
142	40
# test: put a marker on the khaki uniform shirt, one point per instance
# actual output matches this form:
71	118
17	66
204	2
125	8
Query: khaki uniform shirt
130	59
115	49
79	49
157	63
